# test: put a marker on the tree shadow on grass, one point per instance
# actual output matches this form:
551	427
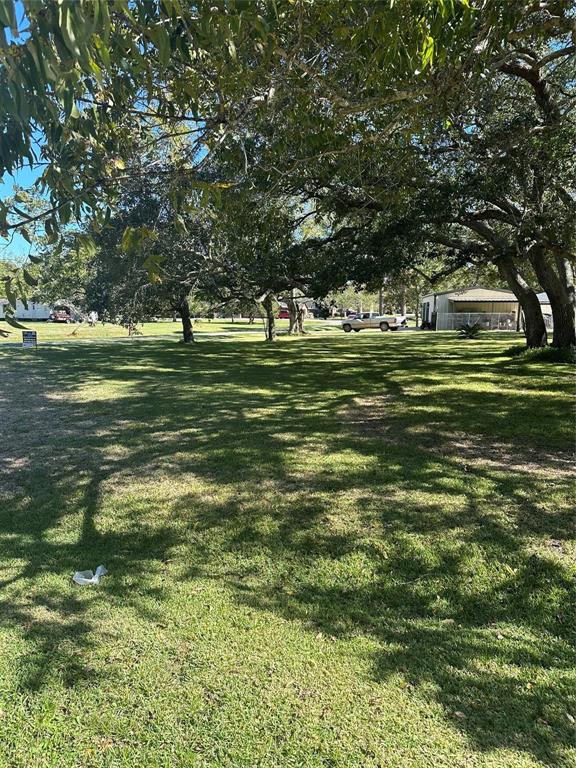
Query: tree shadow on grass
433	558
499	657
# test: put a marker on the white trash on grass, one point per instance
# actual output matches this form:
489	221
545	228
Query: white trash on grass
89	577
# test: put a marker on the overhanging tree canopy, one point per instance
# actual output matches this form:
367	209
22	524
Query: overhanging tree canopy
479	168
83	82
84	85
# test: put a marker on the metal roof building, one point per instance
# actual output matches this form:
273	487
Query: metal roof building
492	308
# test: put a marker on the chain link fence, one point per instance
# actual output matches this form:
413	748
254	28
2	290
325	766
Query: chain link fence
489	321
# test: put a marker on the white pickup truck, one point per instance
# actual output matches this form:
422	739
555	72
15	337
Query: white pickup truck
373	320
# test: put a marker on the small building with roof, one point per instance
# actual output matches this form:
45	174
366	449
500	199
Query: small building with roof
33	310
495	309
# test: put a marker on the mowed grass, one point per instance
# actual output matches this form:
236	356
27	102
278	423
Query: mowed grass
63	332
338	551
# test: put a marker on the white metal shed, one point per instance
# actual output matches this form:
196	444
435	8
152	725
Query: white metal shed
35	310
493	308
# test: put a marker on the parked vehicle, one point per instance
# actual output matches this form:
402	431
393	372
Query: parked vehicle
373	320
283	314
60	316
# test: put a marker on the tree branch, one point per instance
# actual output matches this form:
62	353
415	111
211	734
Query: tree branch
470	246
568	51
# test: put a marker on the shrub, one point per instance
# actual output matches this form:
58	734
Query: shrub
469	330
544	354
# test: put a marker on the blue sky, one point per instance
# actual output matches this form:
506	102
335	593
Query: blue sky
16	248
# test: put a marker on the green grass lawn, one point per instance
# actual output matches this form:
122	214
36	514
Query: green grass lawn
82	331
338	552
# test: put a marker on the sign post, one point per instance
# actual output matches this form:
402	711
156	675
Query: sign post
29	339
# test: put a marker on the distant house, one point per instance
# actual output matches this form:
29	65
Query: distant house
312	307
495	309
35	310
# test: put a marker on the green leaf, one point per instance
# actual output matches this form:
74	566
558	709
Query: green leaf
427	51
67	30
152	265
64	214
134	237
10	295
127	239
180	225
14	323
85	246
51	228
232	50
162	41
103	50
105	16
31	281
8	16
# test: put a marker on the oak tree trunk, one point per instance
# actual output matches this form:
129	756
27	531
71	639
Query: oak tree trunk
184	312
301	314
560	289
564	333
528	301
268	304
293	314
